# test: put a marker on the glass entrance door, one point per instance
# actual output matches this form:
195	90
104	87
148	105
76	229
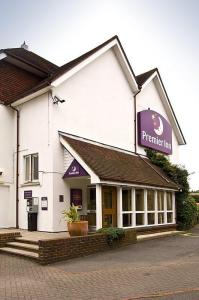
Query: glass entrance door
109	206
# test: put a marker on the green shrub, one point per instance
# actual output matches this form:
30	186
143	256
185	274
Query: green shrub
113	234
197	214
187	213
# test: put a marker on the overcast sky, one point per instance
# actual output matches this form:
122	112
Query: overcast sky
154	33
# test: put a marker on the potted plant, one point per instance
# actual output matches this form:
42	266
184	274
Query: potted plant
76	227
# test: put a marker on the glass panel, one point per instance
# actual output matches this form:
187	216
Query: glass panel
127	220
139	219
35	167
108	221
126	200
160	218
27	168
169	217
151	218
139	200
169	201
92	219
160	195
91	199
108	199
150	200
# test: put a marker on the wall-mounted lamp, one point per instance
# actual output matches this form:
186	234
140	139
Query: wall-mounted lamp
56	100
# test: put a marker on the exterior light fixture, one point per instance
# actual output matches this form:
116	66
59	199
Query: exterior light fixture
56	100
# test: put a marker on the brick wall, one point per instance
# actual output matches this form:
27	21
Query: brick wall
8	237
63	249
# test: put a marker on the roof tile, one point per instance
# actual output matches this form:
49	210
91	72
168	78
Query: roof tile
113	165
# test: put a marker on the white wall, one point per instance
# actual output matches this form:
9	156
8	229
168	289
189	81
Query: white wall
5	206
35	137
149	98
7	157
99	104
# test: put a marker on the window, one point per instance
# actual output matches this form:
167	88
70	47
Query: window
139	219
91	205
127	220
169	201
150	200
160	195
151	218
139	198
31	167
147	207
127	216
126	200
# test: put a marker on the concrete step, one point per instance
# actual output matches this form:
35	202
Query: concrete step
144	237
19	252
24	246
26	241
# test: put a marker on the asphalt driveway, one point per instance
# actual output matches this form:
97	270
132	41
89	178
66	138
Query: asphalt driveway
165	268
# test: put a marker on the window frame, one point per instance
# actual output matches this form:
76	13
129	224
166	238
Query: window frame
145	213
30	158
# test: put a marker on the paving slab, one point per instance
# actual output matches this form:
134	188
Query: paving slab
166	268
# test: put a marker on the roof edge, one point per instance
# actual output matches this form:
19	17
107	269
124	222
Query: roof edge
151	75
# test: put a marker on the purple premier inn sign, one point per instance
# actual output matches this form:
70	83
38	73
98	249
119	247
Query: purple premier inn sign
75	170
154	131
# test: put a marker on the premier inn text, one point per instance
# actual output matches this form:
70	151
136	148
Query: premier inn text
155	140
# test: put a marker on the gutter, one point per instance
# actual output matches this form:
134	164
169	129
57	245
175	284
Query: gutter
17	169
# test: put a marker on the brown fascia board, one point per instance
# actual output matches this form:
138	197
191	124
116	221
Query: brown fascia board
8	53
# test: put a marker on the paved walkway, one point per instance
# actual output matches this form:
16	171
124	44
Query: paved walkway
37	235
166	268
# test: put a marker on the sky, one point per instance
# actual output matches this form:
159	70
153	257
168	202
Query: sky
154	33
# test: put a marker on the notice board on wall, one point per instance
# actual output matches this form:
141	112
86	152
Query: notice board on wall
76	197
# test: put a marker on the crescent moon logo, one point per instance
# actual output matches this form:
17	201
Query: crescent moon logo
159	130
73	168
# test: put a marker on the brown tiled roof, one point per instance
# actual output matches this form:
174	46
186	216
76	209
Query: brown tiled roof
114	165
15	81
52	71
31	59
142	78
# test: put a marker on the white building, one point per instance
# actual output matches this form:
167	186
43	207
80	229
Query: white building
78	133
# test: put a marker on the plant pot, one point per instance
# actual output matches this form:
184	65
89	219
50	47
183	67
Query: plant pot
78	228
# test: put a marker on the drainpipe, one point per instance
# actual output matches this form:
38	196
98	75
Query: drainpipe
135	122
17	169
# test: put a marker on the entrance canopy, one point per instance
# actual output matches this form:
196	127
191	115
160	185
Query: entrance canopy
110	164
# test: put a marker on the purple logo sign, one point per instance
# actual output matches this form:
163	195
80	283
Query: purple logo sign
27	194
154	131
75	170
